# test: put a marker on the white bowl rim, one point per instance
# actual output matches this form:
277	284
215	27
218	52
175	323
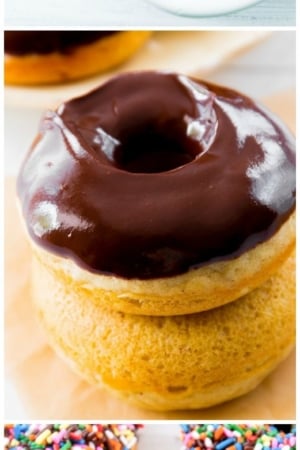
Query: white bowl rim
203	7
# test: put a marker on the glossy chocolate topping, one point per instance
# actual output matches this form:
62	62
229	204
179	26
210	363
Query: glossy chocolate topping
154	174
43	42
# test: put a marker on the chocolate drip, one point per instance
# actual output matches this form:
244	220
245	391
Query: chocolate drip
154	174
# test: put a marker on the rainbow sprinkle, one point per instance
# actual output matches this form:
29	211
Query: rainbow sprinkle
70	437
237	437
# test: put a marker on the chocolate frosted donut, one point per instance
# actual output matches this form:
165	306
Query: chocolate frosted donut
154	174
43	42
44	57
169	182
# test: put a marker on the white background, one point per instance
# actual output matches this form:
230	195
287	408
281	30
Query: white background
128	13
160	437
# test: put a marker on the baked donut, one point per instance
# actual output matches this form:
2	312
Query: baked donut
159	194
176	362
44	57
70	436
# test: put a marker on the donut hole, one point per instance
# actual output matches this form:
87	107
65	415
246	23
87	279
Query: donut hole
151	151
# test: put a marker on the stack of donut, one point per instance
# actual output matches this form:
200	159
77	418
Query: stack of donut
160	210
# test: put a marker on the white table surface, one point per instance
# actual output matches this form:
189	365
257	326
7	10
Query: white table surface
160	437
130	13
262	71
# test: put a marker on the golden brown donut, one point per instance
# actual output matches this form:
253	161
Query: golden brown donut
167	363
84	60
198	290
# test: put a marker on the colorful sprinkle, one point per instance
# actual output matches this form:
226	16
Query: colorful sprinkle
238	437
70	437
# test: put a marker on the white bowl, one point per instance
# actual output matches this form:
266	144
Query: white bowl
202	7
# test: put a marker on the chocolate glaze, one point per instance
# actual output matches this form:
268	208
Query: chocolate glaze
43	42
154	174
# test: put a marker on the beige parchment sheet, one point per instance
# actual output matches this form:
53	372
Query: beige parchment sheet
48	388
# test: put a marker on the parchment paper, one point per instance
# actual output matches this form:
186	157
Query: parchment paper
47	388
